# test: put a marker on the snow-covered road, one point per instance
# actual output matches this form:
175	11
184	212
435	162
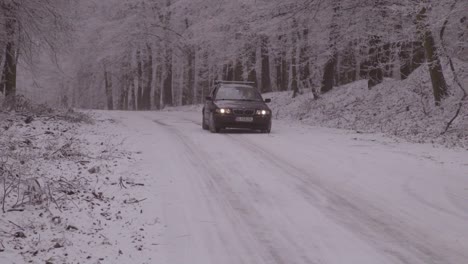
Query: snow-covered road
299	195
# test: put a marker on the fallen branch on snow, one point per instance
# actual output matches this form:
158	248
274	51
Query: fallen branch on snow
133	201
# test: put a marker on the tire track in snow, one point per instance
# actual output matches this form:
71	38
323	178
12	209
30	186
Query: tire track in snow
408	190
361	217
458	201
210	183
249	219
396	239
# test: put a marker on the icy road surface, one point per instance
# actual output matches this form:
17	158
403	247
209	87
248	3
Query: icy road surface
299	195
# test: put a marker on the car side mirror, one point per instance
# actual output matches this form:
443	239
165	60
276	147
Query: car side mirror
268	100
209	98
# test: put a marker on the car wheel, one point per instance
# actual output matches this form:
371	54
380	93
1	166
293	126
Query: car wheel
267	130
204	125
213	128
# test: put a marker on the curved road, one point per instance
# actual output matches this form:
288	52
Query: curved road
299	195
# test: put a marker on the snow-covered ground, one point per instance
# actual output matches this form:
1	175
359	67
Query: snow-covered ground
301	194
79	201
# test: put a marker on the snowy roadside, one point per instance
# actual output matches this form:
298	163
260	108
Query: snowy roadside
70	194
399	109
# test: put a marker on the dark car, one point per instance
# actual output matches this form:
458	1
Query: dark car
236	105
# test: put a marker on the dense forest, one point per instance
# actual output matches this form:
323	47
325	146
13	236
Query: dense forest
148	54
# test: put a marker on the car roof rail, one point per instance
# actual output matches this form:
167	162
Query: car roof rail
232	82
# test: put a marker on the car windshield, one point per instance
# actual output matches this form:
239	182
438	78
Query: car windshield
242	93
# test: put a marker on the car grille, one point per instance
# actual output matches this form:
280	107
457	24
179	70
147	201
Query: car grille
243	111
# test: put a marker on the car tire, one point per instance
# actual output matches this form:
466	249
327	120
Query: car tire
212	125
267	130
204	125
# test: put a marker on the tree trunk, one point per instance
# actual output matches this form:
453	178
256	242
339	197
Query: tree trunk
284	72
190	75
350	64
10	59
108	84
329	74
2	78
167	84
386	60
10	74
229	72
139	92
375	73
196	91
279	73
252	72
439	85
146	97
125	81
132	103
190	53
252	77
121	101
328	80
125	95
203	76
304	65
294	84
347	68
126	90
167	58
157	89
238	70
266	82
2	68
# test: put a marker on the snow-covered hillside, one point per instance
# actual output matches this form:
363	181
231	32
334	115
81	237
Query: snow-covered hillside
400	108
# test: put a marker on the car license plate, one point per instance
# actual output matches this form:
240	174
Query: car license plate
244	119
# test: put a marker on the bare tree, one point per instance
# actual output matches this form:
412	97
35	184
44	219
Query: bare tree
439	85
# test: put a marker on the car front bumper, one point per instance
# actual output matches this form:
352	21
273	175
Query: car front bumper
229	121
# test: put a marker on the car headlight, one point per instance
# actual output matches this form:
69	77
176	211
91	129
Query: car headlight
263	112
223	111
